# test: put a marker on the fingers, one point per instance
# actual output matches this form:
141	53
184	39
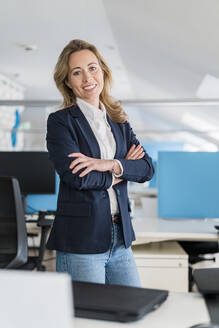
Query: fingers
80	158
140	156
131	150
88	169
83	163
76	155
81	166
135	152
89	163
77	161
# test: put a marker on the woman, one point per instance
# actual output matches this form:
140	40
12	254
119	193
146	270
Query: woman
95	153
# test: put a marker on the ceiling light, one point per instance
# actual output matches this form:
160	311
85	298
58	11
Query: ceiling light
27	47
209	87
109	46
16	75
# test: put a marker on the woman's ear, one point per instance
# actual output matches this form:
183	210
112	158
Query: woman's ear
67	83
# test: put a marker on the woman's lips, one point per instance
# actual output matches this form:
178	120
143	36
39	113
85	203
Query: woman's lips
90	88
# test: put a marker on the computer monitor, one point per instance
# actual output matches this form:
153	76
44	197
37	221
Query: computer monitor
188	184
36	203
33	169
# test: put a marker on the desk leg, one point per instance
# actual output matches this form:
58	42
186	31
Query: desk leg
44	233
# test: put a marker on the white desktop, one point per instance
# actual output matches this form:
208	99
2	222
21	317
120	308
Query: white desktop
35	299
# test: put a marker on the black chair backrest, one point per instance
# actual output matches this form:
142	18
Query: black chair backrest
13	235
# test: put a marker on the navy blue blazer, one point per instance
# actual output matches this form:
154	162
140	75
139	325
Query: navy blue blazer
83	220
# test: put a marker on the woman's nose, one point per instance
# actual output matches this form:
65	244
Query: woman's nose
87	76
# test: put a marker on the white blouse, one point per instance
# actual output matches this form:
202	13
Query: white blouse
102	131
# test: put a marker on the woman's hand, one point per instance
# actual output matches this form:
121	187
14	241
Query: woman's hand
91	164
135	152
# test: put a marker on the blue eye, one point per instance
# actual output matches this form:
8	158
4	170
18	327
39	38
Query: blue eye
92	68
76	73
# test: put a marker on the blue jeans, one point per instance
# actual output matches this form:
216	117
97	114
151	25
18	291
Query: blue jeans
116	266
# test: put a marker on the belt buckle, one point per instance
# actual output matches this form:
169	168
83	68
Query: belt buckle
116	218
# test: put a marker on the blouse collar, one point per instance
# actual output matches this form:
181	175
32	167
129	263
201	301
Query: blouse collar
90	111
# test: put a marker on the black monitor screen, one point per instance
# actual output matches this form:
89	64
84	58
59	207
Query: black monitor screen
33	169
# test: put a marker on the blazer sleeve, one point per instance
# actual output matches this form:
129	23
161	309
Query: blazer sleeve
60	143
140	170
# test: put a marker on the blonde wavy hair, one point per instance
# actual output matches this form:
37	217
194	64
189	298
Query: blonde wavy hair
113	107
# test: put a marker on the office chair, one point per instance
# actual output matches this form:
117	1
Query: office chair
197	252
13	234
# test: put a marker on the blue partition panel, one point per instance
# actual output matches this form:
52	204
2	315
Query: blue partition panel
153	181
188	184
36	203
154	147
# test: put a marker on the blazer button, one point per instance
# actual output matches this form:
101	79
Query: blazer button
104	194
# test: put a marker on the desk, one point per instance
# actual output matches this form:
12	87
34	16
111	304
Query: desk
180	310
158	229
148	230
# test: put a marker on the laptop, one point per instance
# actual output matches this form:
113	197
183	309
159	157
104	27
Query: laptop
115	302
35	299
207	280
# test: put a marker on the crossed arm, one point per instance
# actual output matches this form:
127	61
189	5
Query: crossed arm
103	165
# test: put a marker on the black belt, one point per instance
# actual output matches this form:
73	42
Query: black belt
116	218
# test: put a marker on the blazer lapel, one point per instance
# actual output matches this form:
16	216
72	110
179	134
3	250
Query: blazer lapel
118	137
86	131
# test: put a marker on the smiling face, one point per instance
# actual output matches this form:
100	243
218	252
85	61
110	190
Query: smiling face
85	76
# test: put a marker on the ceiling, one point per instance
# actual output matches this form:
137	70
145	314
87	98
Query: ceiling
156	49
